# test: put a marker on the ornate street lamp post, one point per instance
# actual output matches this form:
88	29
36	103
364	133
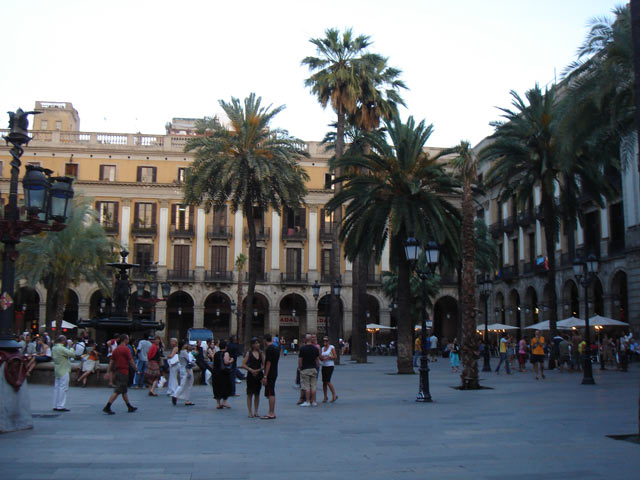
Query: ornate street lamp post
485	291
152	297
412	250
584	272
47	201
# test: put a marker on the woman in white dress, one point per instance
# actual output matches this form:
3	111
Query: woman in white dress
187	361
174	367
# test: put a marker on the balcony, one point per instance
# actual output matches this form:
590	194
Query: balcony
111	228
262	233
293	278
218	277
142	274
509	224
219	232
181	275
526	218
325	278
297	233
326	232
143	229
261	277
509	273
527	268
616	246
181	232
495	229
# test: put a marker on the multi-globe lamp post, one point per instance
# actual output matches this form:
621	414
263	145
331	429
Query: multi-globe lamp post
47	203
413	250
585	271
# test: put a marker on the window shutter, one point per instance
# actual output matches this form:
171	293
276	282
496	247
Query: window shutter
116	211
153	215
139	174
174	210
136	215
98	208
101	172
303	217
154	174
190	225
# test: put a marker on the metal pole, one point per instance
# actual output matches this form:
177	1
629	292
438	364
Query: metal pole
9	254
487	366
587	379
423	394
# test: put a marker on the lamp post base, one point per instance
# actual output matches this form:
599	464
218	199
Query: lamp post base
424	396
587	379
487	363
15	407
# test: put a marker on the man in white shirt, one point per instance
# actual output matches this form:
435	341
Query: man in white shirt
433	347
141	362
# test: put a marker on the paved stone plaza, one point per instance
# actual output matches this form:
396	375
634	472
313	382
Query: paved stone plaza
522	428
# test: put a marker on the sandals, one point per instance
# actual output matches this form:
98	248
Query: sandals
190	404
334	399
267	417
219	407
151	394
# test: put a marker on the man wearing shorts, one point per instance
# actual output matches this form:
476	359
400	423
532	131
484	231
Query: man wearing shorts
118	371
308	363
271	358
537	354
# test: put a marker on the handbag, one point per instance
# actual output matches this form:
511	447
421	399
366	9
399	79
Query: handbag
173	360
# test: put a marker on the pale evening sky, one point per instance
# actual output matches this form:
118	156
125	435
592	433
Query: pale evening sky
132	65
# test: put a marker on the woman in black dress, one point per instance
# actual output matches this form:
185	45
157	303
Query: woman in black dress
253	363
221	380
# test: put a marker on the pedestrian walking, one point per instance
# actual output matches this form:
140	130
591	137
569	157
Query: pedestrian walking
327	357
564	354
234	352
61	356
271	359
221	381
253	363
186	362
119	364
153	372
417	350
174	367
141	362
454	355
308	363
90	363
503	349
522	354
537	354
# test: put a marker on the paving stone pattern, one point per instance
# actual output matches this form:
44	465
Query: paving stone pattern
522	428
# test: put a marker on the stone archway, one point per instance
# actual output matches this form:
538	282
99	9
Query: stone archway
179	314
445	318
259	314
99	305
217	314
499	310
71	307
27	310
619	298
596	297
292	320
514	311
324	314
531	309
571	300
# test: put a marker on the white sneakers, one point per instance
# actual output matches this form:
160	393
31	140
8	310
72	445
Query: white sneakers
307	404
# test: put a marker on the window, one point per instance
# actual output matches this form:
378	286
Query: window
326	222
107	173
58	125
260	260
143	256
182	173
532	248
294	262
218	259
220	216
71	170
182	217
328	181
258	220
295	218
107	213
181	258
480	213
146	174
145	215
1	168
44	125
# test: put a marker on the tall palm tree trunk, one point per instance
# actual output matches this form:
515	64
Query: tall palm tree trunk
333	329
253	254
240	316
550	243
359	306
405	322
469	337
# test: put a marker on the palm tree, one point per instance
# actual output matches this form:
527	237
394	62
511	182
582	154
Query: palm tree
249	165
335	81
396	190
240	263
379	100
60	260
466	165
